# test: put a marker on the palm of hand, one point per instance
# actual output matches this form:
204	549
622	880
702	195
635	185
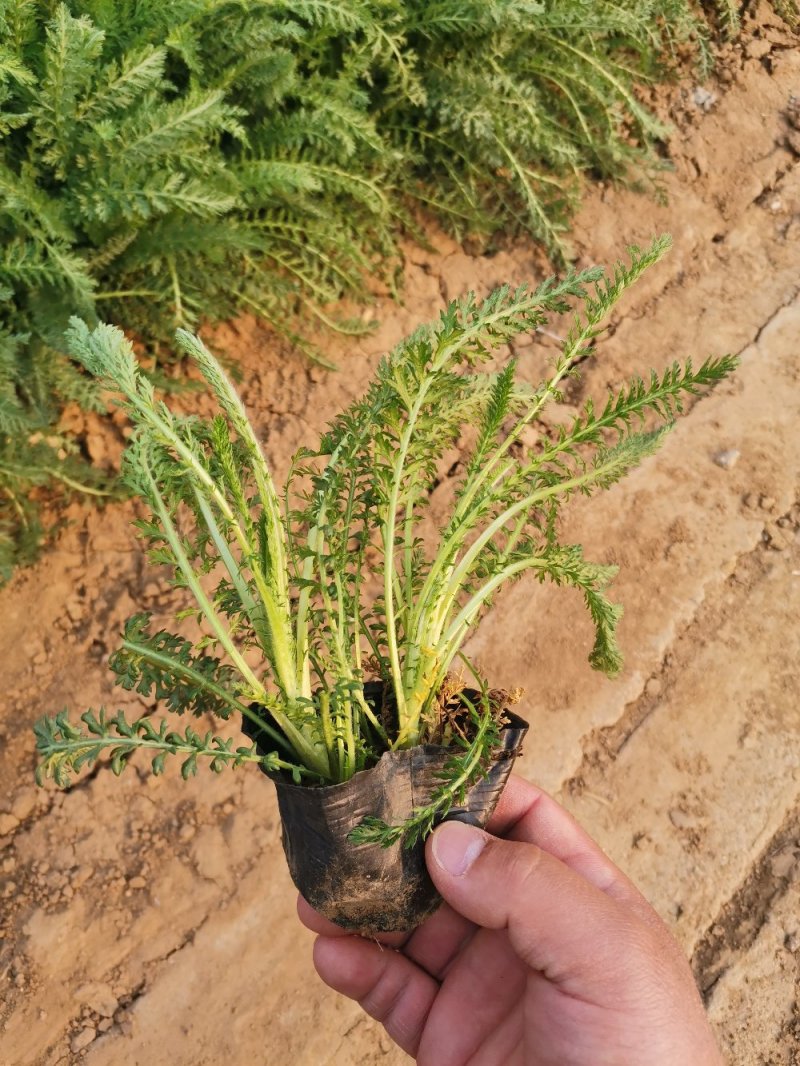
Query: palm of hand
492	1009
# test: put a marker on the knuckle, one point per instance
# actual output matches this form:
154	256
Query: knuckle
514	864
524	869
381	1001
389	1002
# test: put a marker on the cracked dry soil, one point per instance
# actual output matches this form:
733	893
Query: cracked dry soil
149	921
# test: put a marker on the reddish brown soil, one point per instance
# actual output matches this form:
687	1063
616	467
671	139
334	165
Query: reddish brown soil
151	922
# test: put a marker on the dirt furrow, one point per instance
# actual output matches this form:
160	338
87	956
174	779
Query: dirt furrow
742	918
755	1006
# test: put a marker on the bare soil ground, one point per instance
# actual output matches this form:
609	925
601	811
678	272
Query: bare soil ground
151	922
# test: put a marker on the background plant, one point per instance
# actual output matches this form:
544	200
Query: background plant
161	161
333	584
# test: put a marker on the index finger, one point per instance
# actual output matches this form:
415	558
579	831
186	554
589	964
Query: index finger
528	814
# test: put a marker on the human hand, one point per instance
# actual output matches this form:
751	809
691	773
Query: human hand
543	953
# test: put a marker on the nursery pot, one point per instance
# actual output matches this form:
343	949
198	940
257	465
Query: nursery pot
365	887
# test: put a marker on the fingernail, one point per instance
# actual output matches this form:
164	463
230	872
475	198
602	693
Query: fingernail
456	847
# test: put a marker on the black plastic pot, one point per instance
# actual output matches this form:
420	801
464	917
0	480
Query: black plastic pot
365	887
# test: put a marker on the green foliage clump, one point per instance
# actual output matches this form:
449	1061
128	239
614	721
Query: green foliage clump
311	599
162	161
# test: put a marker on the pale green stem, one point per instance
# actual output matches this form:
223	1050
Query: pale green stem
176	290
277	604
350	739
457	632
282	665
241	586
119	294
388	536
177	667
89	490
463	568
480	476
272	638
443	650
647	121
327	731
135	743
304	749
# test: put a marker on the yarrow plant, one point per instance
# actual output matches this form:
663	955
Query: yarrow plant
163	161
357	621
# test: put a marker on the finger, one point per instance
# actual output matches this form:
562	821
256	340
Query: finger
317	923
558	922
386	984
526	813
433	945
436	943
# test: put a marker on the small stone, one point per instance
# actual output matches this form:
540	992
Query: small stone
98	997
777	538
700	162
653	687
728	458
776	206
74	609
24	804
82	1039
766	503
757	49
9	889
9	864
187	831
783	863
97	447
680	819
137	882
703	99
81	876
558	414
8	823
105	1025
524	340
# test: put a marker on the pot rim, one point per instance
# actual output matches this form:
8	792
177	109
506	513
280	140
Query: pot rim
513	721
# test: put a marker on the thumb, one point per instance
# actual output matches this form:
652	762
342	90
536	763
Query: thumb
558	922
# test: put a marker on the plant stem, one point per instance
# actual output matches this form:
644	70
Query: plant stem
307	753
